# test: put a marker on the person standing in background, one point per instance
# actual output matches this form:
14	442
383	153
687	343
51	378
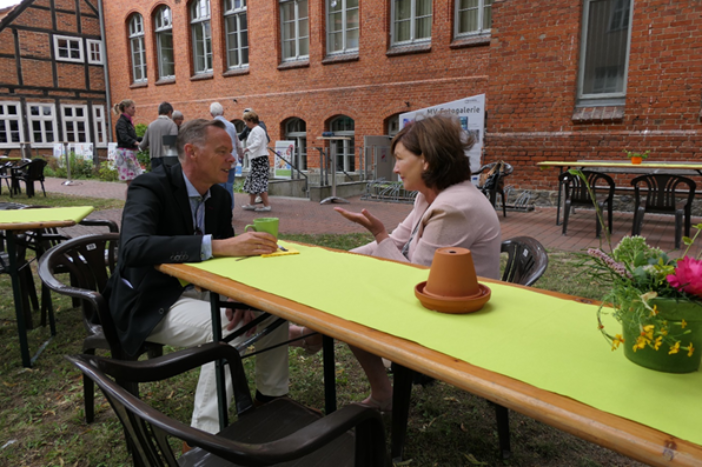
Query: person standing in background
153	138
245	133
217	112
178	118
257	180
127	142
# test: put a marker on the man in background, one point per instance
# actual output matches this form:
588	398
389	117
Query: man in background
217	112
178	118
153	138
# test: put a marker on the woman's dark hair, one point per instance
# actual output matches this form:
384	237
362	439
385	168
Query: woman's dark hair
251	116
443	143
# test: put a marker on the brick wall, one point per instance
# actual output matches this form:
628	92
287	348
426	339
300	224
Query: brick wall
35	44
533	84
369	89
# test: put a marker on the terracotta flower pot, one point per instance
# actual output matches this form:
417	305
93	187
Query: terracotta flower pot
636	160
452	274
674	312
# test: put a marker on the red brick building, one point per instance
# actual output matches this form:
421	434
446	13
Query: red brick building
52	78
564	79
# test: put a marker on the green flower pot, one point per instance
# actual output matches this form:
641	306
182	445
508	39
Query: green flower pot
673	311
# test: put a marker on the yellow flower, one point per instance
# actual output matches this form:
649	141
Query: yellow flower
654	311
663	331
675	348
658	343
683	323
640	343
690	350
648	331
618	339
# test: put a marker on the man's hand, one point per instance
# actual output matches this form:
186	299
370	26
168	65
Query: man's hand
242	317
246	244
367	220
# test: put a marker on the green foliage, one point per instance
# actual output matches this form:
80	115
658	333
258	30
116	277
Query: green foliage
107	174
642	155
140	129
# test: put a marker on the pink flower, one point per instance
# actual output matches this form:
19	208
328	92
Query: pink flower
688	276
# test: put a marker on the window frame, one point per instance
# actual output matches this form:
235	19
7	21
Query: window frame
481	20
99	126
89	52
203	21
69	39
609	98
348	153
160	31
136	35
299	137
297	39
345	49
232	11
31	119
66	119
3	117
413	22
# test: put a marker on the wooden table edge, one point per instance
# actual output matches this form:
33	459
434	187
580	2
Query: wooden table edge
36	225
625	436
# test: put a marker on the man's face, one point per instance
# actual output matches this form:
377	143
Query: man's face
211	161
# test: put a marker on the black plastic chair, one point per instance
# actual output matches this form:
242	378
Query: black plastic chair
6	174
577	194
90	260
495	182
665	195
282	432
527	261
30	173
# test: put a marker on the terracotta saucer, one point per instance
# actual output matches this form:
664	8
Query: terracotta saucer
455	305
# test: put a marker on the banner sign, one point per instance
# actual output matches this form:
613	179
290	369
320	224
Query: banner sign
284	151
470	112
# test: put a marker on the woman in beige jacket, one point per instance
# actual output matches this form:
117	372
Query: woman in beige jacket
448	211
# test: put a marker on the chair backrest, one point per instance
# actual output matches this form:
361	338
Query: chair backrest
662	192
492	176
35	170
577	190
527	260
90	260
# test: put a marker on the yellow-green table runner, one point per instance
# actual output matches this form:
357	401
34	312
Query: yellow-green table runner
24	216
547	342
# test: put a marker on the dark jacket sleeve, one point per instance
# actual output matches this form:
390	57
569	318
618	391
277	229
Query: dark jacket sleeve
126	134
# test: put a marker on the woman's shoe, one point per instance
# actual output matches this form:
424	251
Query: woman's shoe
311	344
262	209
248	207
382	407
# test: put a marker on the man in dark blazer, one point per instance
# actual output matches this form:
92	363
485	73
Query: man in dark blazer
180	214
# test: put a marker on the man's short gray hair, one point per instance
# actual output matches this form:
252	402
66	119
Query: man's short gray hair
216	109
177	114
195	132
165	108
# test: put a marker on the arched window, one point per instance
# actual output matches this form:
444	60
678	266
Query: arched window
392	125
237	34
163	28
345	149
296	130
136	44
202	36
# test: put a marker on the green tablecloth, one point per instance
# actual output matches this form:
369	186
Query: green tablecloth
24	216
547	342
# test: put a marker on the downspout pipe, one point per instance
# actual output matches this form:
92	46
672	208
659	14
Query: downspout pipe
108	97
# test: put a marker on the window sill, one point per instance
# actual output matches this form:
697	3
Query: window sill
141	84
472	41
163	82
201	76
340	58
236	72
409	49
294	64
612	113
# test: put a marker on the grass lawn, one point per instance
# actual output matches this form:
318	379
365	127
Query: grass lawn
41	409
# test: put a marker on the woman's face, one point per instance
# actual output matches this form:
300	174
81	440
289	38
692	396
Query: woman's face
131	110
410	168
250	124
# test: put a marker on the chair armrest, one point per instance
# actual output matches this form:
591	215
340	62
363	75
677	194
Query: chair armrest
112	225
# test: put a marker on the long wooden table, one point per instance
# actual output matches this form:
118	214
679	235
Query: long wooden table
685	168
623	435
18	220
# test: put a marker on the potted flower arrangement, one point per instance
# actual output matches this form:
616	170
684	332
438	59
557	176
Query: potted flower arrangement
636	157
657	300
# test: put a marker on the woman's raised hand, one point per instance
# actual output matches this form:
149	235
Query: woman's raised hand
367	220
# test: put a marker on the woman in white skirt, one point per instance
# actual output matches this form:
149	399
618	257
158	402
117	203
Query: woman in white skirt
257	181
127	142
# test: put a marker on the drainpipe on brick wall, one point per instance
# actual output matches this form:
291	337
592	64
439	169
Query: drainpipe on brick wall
108	110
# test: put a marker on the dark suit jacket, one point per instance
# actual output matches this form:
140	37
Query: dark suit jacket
157	227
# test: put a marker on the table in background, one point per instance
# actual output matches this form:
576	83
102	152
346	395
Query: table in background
12	221
622	167
561	411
